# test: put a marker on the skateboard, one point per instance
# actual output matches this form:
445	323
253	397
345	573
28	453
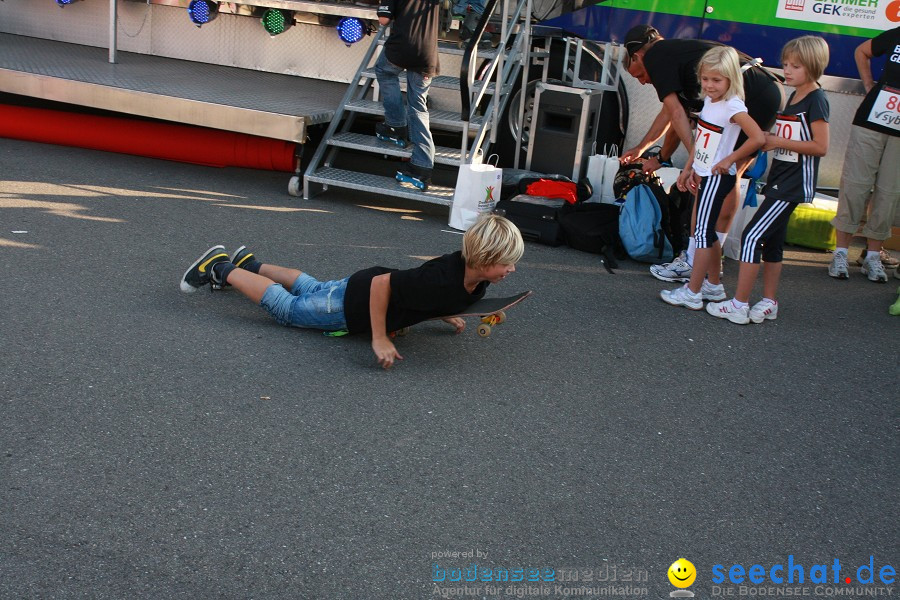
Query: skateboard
491	311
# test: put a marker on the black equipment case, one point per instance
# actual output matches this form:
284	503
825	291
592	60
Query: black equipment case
535	216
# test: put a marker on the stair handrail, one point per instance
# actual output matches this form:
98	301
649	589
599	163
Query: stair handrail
348	95
469	103
466	71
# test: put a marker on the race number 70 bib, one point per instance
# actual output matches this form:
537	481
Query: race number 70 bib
886	109
706	143
787	127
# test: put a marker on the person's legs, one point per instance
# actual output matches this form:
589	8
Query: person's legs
394	128
252	285
417	87
773	257
200	273
283	275
861	166
771	277
709	203
710	198
309	303
883	204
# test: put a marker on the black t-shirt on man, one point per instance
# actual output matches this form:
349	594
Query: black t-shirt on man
672	68
435	288
888	43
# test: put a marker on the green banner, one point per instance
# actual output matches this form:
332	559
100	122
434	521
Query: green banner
861	18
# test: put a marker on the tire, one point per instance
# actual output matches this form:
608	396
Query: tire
613	111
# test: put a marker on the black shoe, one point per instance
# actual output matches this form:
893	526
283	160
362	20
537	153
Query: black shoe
418	177
394	135
242	257
201	272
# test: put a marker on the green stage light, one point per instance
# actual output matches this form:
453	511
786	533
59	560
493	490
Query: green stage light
276	21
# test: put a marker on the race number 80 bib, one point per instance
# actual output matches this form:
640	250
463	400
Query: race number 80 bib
706	143
787	127
886	109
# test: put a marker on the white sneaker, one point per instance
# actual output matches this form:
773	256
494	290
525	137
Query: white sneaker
887	260
677	270
838	267
683	296
764	309
712	292
727	310
874	270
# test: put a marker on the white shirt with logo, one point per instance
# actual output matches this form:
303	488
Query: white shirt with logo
716	135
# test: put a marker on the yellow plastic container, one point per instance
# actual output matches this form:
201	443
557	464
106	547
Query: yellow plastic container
811	227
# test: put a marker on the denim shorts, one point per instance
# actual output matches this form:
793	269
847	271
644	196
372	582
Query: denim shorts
309	303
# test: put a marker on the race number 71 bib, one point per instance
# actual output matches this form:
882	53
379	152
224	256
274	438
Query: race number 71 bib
706	143
787	127
886	110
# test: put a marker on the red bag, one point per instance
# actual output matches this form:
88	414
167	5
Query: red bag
549	188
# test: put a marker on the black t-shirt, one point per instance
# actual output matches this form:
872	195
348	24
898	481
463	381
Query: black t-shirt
435	288
414	34
793	176
672	68
884	43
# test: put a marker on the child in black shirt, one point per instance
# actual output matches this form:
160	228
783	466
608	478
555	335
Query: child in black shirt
377	300
800	139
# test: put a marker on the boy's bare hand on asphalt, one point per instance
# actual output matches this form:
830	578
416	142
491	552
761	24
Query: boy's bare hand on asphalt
386	352
457	322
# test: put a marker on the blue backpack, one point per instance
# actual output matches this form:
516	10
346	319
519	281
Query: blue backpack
640	227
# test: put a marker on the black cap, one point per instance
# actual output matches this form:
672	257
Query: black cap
638	37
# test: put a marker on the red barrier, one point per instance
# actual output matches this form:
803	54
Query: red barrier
170	141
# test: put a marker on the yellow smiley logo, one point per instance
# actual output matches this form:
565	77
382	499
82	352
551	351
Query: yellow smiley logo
682	573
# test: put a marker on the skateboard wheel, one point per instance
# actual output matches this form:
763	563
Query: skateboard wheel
402	331
294	188
501	317
484	330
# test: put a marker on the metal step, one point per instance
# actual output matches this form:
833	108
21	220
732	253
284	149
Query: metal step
369	143
441	81
379	184
452	47
445	119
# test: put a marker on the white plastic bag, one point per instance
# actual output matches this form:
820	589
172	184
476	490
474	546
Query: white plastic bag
596	164
477	191
610	169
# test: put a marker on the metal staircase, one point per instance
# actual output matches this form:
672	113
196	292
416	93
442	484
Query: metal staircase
476	122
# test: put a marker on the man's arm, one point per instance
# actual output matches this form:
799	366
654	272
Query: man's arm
379	296
679	119
863	55
659	126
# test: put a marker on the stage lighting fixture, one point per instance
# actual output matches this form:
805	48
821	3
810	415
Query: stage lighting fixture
276	21
202	12
351	30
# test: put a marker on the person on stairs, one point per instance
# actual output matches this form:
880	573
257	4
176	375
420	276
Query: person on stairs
411	47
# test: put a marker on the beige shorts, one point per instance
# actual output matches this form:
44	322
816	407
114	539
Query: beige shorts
872	160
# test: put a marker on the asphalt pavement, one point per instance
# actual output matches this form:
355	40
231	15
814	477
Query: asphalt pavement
155	444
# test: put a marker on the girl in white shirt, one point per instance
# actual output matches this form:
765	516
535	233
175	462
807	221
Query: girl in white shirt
712	171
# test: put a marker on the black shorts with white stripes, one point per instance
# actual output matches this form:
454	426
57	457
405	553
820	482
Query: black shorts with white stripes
764	235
